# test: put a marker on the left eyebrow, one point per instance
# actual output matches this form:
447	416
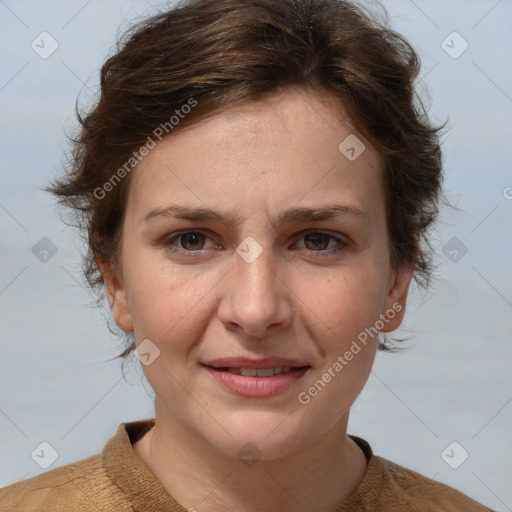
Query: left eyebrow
292	215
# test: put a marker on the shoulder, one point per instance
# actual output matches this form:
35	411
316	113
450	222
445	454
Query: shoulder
389	487
407	490
81	486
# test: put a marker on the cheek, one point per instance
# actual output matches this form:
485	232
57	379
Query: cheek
166	303
344	305
339	311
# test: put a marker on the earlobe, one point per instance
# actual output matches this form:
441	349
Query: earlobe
116	296
396	299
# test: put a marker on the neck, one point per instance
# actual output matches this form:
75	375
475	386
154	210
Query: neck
199	476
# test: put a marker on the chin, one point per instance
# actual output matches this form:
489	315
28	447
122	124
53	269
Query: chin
259	440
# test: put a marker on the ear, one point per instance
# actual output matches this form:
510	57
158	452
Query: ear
396	298
116	295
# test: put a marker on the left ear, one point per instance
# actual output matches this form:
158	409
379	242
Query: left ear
396	298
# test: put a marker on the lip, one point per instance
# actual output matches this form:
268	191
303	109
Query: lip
245	362
254	386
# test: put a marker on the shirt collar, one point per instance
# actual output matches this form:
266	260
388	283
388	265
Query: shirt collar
147	494
131	475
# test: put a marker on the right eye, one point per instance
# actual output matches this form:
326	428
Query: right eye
191	242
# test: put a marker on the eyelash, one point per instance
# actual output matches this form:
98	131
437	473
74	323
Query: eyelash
342	245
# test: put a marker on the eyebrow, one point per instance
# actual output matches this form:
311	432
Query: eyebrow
292	215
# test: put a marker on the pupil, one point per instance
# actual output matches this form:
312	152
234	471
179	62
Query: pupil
192	236
316	238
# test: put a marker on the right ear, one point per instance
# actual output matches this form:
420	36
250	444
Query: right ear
116	295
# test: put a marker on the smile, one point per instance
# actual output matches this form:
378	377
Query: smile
257	382
258	372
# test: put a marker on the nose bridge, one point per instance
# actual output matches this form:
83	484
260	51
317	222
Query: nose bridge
255	268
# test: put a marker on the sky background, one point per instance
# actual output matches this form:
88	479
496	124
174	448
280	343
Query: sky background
453	383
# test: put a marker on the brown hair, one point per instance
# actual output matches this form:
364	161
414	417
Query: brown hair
211	54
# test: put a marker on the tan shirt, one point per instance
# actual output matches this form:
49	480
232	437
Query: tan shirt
117	480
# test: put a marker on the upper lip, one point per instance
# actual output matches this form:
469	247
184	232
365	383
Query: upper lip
244	362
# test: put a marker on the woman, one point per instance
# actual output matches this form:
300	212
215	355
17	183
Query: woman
256	183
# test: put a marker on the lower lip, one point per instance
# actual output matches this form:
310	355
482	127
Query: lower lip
257	386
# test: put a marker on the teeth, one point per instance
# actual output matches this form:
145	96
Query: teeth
260	372
248	372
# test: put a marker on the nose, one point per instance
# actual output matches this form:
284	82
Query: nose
256	298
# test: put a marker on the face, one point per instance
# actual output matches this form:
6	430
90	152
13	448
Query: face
250	283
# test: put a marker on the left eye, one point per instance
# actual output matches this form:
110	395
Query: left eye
317	239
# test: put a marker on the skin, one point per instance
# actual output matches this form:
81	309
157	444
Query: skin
255	161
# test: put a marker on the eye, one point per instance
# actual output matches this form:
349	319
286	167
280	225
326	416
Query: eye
188	241
192	243
317	243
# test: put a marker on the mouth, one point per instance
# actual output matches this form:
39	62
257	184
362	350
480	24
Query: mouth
259	372
262	378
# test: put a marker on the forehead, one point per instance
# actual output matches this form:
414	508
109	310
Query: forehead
292	148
